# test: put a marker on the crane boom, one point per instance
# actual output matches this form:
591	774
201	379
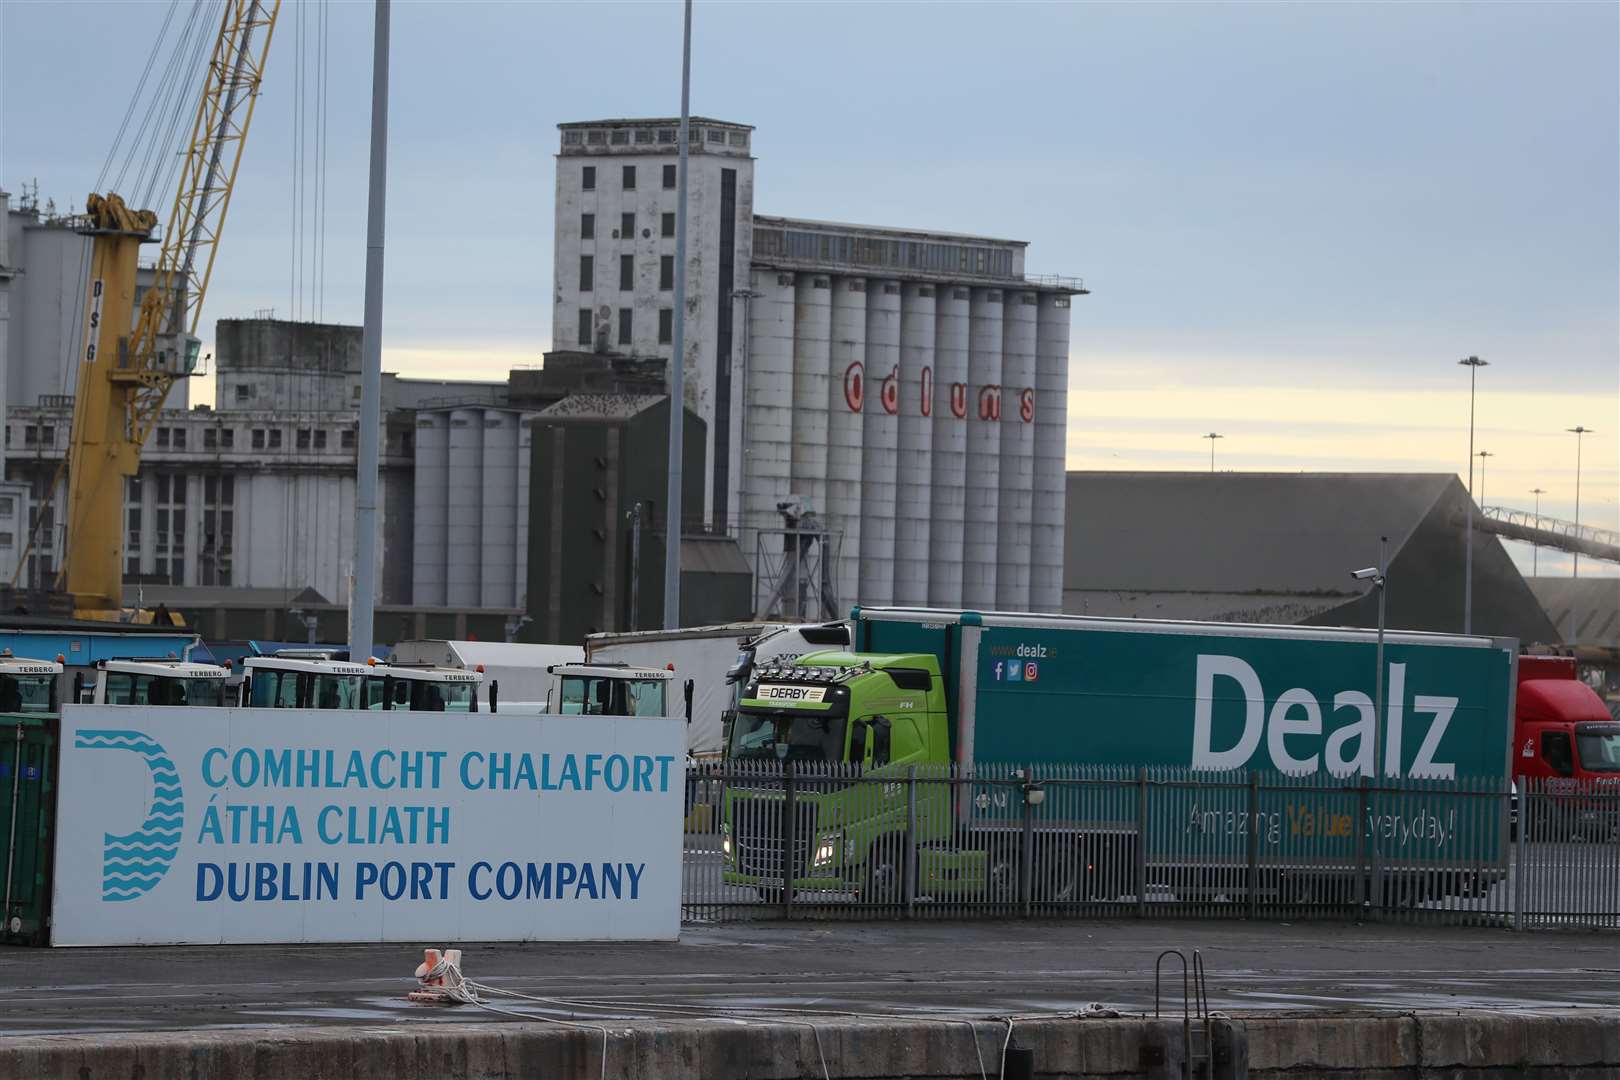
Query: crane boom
123	380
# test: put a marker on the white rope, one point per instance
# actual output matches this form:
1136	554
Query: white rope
446	982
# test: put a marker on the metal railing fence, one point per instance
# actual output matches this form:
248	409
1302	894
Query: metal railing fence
812	840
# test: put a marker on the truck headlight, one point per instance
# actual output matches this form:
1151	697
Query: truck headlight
827	849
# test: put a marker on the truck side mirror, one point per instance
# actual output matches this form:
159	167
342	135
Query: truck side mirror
857	742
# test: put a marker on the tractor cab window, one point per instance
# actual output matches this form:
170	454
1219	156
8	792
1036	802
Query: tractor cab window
600	695
27	693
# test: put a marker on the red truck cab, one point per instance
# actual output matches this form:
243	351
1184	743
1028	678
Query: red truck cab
1562	728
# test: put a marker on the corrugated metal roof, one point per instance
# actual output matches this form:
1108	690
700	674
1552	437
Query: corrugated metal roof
600	406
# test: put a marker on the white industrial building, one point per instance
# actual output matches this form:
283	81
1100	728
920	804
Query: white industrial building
907	387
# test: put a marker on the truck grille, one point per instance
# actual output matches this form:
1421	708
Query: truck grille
759	835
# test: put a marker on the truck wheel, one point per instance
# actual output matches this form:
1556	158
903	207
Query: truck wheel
1001	875
884	867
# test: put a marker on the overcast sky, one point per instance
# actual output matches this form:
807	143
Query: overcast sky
1294	218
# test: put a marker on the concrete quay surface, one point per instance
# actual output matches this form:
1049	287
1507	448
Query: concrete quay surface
1321	999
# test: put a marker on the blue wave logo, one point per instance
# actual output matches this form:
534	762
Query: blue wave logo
133	864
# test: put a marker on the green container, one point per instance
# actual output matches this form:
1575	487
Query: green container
27	819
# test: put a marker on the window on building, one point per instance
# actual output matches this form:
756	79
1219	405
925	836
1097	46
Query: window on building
30	435
643	135
244	392
303	438
596	138
717	136
346	440
275	438
619	137
587	273
8	506
218	528
584	326
47	435
739	138
179	438
227	438
320	439
666	225
132	520
629	178
627	226
666	272
667	135
627	272
587	226
169	549
572	138
587	178
210	439
625	317
666	325
163	438
7	540
669	176
258	438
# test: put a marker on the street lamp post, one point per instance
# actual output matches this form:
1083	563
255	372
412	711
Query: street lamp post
1212	436
1535	548
1579	432
1379	576
1473	364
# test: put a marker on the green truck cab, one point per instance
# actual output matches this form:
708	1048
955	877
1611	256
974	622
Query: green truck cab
878	715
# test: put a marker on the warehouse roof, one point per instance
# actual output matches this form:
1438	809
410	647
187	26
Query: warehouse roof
1279	547
1237	532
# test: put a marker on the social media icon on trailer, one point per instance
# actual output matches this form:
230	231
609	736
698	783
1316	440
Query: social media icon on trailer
1031	671
998	670
1015	671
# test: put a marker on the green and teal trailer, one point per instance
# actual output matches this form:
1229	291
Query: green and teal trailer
1044	702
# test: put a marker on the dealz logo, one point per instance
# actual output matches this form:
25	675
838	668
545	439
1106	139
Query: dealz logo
133	863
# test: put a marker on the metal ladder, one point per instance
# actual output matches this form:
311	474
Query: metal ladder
1198	1056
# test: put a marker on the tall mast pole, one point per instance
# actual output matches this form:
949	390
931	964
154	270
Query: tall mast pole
363	596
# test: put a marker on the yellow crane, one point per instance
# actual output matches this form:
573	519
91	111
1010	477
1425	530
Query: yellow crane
125	377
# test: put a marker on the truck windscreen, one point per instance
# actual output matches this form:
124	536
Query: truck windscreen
777	736
1599	746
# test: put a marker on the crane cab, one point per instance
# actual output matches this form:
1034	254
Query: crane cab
153	681
302	680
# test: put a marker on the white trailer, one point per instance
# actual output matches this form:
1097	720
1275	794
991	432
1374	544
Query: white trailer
712	663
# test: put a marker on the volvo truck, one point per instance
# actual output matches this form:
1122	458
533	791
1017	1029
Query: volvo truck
925	692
